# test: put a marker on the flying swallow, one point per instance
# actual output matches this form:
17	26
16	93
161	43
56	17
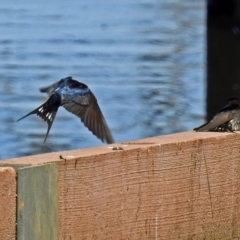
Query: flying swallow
78	99
226	120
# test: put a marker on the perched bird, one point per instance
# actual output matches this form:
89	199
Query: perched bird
226	120
78	99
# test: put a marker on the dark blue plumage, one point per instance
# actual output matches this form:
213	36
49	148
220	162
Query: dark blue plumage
78	99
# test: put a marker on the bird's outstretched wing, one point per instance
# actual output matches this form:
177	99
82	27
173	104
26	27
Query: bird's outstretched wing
46	111
220	119
91	115
50	89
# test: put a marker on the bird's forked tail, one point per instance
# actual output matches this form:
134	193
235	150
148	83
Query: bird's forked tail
47	111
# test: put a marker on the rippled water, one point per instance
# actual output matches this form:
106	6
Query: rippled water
144	61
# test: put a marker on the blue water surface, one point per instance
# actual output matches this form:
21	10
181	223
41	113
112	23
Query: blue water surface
144	60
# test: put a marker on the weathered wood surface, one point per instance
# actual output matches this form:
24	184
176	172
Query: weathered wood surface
179	186
184	190
7	203
37	202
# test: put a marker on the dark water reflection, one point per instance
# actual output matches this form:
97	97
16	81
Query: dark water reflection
144	61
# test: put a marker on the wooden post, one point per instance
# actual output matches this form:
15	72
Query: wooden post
223	53
37	202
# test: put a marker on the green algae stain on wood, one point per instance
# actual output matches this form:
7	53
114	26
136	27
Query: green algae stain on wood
37	202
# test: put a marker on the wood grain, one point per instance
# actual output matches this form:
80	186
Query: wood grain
178	186
37	202
185	190
7	203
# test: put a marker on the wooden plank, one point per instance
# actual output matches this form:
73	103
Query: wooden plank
37	202
8	185
182	190
178	186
